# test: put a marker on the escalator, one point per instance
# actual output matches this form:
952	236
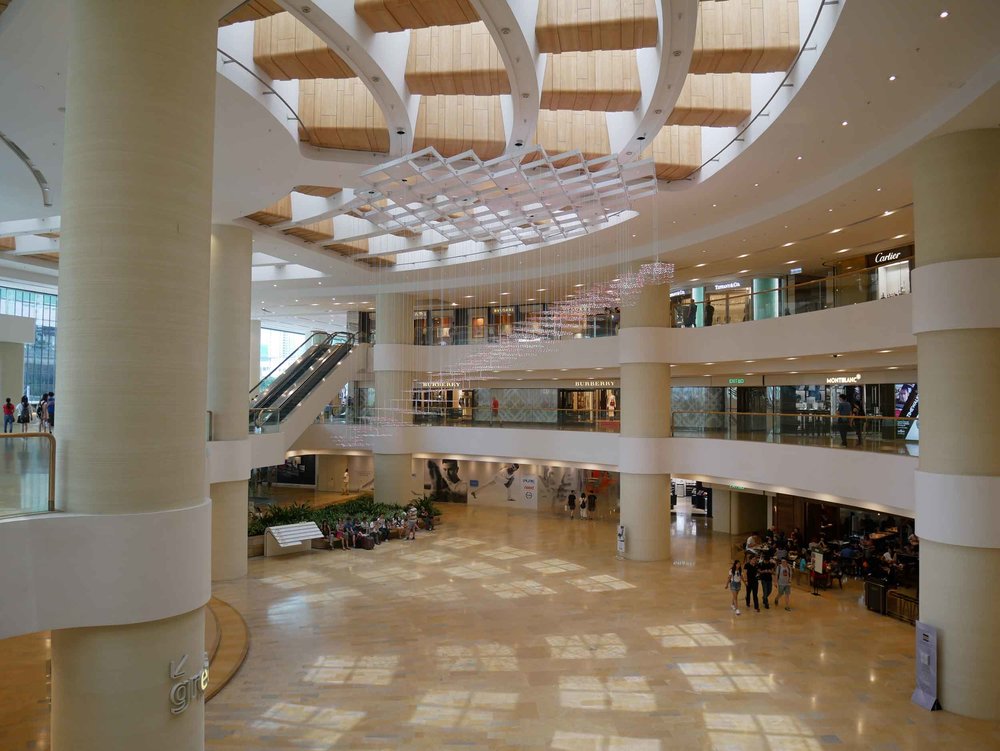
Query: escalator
285	387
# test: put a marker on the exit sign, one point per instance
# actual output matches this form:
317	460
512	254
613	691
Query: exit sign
737	381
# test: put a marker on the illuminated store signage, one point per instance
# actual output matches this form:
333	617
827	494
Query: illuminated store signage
678	293
186	690
843	379
419	314
596	384
795	271
728	285
503	310
437	385
737	381
887	256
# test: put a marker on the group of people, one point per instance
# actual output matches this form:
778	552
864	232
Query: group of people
367	533
760	572
587	505
850	414
22	414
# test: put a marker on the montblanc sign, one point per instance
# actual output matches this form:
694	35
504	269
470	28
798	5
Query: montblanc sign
843	379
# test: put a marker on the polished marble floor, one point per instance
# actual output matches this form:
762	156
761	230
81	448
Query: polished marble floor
516	630
24	469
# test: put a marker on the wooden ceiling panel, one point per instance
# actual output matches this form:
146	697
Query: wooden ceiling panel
349	249
566	130
455	60
746	36
8	243
317	232
278	212
453	124
251	10
396	15
380	262
317	190
341	114
287	50
602	80
676	152
713	99
585	25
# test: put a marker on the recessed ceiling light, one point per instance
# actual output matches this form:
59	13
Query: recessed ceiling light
295	300
469	297
492	302
577	285
748	374
888	212
598	368
749	361
793	372
454	305
540	290
707	375
843	250
788	245
563	370
320	283
789	263
710	363
364	302
830	210
531	299
898	237
791	358
274	285
884	351
616	280
715	205
503	294
314	304
798	158
633	236
699	265
893	367
756	185
835	231
943	14
742	255
844	122
529	371
744	271
696	279
892	78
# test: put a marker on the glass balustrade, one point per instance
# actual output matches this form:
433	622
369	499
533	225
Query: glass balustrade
28	484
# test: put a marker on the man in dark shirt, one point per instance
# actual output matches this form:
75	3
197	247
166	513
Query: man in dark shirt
750	572
843	418
765	572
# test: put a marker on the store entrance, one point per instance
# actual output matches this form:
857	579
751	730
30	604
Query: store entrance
730	306
589	407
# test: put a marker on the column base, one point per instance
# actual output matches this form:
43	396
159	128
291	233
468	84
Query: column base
955	597
393	478
645	514
112	686
229	530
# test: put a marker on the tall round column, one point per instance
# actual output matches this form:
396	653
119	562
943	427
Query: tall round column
957	221
133	342
393	400
645	413
228	353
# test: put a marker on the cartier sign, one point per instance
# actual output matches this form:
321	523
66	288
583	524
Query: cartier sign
887	255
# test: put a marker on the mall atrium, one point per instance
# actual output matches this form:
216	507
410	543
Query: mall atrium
474	373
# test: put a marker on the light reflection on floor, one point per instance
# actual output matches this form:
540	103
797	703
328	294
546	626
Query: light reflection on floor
432	645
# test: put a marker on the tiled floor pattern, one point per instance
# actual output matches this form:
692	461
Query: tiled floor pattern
555	644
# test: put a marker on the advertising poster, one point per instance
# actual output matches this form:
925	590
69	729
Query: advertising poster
908	406
925	694
297	470
443	481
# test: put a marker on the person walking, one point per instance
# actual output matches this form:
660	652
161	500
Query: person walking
571	504
24	414
843	418
346	487
43	413
750	577
784	583
734	580
583	505
592	505
51	404
765	574
495	411
691	315
8	416
709	314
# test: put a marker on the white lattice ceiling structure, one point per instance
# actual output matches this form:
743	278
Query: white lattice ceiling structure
525	197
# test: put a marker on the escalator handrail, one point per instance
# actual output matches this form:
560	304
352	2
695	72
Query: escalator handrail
328	345
293	354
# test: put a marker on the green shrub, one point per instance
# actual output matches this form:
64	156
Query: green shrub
363	507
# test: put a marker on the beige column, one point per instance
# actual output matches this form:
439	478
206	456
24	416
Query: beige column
11	371
957	221
393	336
228	353
133	305
254	364
645	411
